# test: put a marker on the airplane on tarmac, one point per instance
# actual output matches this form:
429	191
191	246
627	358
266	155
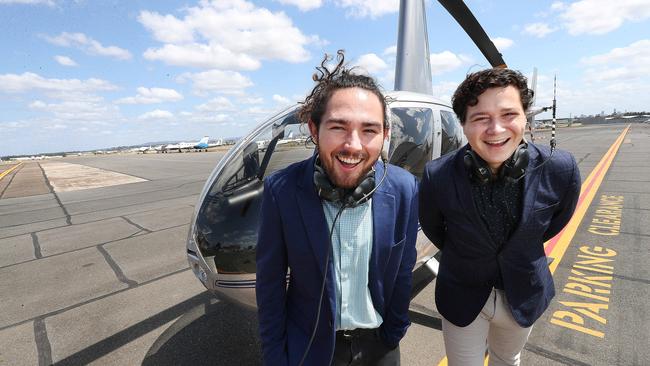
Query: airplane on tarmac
222	238
201	145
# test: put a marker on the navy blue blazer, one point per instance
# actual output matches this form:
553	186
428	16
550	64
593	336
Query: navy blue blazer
471	260
294	235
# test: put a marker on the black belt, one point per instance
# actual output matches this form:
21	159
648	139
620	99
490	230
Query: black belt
356	333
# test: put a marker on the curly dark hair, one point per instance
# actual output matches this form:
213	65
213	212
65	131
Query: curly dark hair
476	83
327	82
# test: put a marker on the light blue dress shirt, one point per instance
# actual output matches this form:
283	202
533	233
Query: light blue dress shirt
351	250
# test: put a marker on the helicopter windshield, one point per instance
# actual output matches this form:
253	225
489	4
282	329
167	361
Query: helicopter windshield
226	225
411	142
452	132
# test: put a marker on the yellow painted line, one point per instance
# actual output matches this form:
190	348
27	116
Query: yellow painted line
559	243
557	246
2	175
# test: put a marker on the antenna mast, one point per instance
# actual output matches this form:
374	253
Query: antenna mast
552	142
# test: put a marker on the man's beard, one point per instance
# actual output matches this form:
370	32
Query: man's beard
339	178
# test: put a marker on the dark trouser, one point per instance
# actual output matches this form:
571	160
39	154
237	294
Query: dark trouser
363	347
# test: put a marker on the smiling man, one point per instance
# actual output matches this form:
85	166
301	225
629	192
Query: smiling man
489	207
343	225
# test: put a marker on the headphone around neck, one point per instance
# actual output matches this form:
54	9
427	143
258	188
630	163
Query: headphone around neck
512	170
348	197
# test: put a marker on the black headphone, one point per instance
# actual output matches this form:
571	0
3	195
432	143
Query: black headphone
512	170
348	197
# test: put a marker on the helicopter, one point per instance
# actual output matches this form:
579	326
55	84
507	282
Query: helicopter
222	239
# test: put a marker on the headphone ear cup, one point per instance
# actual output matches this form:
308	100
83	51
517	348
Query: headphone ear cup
516	166
358	195
324	187
477	168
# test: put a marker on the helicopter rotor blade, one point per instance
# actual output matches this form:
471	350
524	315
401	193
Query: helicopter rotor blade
474	30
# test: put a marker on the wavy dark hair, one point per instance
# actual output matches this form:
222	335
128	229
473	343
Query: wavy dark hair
476	83
327	82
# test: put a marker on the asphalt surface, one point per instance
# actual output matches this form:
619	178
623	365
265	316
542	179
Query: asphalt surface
99	276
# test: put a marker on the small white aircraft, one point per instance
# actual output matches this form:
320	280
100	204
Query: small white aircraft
201	145
223	233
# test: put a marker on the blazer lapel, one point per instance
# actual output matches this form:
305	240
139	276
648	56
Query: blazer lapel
313	218
383	226
464	195
531	182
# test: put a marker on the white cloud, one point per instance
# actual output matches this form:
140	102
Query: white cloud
156	114
207	114
203	56
229	82
539	30
57	126
251	100
88	45
368	8
215	105
617	79
152	95
502	43
371	63
591	99
625	63
79	110
257	113
28	81
558	6
65	61
167	28
390	51
637	52
444	90
446	61
303	5
37	104
603	16
279	99
227	35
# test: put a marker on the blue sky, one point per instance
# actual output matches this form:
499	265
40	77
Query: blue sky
78	75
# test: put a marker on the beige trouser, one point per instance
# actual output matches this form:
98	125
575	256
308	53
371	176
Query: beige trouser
493	329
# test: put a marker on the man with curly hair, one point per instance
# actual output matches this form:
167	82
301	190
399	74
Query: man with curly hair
489	207
343	225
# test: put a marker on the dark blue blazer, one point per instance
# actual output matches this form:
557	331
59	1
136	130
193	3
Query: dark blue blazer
294	235
471	261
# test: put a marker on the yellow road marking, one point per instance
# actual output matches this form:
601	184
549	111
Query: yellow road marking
559	244
2	175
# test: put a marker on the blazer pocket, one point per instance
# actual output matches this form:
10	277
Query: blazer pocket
542	215
544	208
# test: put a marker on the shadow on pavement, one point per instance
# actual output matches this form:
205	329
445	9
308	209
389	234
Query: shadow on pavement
214	333
207	331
